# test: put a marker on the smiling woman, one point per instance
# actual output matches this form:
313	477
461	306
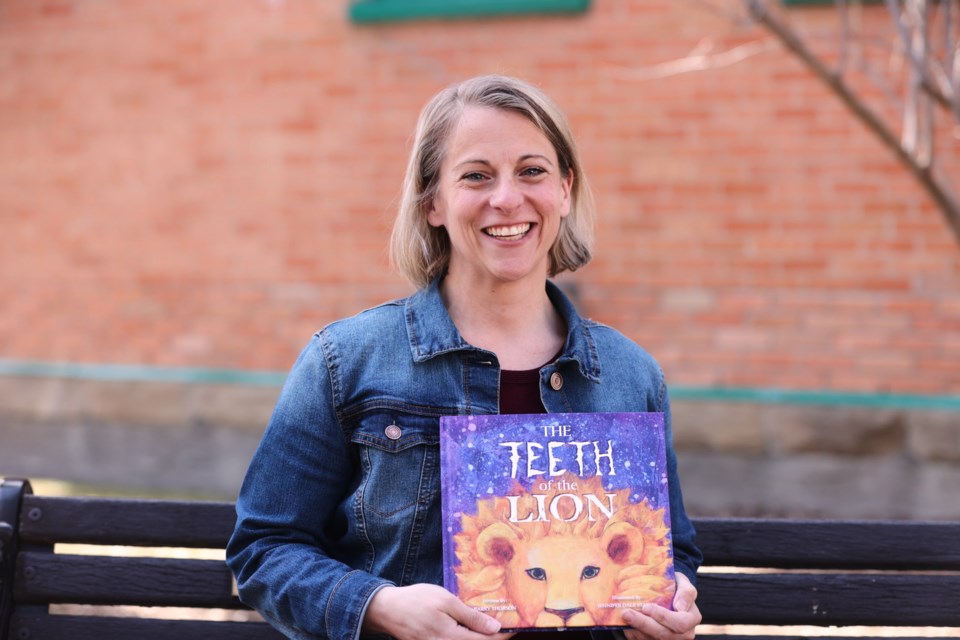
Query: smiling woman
419	247
501	198
339	518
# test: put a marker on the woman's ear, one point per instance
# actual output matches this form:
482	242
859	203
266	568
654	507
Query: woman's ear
434	217
566	185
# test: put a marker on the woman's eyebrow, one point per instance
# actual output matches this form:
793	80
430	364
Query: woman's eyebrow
471	161
538	156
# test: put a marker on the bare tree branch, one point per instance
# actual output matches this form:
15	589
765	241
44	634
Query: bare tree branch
922	171
917	60
916	138
952	57
702	58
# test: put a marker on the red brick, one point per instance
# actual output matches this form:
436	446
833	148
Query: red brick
184	180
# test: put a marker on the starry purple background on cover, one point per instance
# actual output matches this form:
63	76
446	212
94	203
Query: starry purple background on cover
474	466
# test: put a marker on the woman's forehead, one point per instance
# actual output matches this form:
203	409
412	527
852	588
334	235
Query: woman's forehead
491	131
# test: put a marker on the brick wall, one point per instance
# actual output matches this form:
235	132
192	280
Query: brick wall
204	184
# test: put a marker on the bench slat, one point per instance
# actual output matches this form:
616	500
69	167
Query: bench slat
772	543
763	598
69	627
808	544
60	578
869	599
147	523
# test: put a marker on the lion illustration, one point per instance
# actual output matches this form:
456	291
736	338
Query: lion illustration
560	573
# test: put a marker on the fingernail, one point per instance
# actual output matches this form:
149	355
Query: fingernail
493	625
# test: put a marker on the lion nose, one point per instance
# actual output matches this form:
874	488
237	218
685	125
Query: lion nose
564	614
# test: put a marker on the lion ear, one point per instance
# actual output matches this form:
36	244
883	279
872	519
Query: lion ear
623	542
496	544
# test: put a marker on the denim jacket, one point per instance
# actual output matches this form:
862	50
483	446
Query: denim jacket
335	506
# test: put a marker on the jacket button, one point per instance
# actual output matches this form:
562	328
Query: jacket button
556	381
393	432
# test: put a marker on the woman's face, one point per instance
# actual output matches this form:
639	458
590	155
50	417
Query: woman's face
501	197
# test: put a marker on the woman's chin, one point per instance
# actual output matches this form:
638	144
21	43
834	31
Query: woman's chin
519	273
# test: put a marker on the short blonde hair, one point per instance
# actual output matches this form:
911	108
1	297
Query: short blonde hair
422	252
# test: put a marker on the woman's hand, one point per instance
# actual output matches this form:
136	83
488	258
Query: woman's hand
654	622
427	612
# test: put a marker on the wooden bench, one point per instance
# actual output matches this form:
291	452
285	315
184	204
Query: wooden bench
757	572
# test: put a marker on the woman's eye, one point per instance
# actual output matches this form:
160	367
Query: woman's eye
589	572
533	171
473	176
537	573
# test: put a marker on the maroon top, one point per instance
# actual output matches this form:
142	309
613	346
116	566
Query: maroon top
520	392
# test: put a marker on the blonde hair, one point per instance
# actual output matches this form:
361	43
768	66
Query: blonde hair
422	252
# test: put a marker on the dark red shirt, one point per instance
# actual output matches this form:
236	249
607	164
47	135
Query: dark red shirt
520	392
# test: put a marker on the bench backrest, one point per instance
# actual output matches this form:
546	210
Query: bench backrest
763	572
43	576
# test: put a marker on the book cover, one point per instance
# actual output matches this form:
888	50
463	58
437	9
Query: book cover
556	521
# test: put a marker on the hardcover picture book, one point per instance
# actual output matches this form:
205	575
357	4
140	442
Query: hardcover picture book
555	521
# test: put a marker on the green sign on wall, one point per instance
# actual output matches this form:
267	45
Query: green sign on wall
393	10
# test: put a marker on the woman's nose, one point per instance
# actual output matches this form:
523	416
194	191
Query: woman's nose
506	196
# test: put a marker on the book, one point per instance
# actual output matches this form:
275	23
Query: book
556	521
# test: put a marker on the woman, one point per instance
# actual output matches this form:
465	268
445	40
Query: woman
338	530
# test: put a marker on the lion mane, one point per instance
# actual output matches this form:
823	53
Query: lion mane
561	574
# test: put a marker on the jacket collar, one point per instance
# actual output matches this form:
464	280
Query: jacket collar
432	333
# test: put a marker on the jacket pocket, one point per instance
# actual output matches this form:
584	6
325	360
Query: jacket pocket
399	454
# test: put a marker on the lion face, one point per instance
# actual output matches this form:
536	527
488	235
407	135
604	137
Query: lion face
564	574
557	581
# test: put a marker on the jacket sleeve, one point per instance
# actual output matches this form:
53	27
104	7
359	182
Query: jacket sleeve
687	557
286	511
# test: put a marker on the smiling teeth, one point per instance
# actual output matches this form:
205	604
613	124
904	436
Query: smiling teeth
507	232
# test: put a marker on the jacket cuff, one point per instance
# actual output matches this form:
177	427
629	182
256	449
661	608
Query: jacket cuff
687	571
348	603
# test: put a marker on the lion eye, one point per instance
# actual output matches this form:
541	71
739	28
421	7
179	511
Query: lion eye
590	572
537	573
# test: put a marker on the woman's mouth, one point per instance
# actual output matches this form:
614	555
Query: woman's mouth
511	232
